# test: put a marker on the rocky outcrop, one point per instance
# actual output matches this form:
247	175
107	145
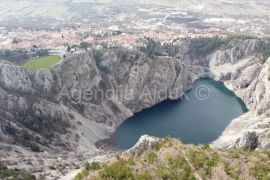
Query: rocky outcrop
239	50
249	141
145	143
14	78
248	78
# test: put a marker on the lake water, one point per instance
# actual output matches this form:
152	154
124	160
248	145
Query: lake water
198	118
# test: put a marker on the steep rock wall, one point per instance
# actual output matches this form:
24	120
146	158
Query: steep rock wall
87	96
245	74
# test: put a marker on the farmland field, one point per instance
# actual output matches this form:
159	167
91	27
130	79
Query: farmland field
45	62
80	9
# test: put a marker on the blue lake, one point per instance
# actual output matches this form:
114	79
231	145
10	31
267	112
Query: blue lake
198	118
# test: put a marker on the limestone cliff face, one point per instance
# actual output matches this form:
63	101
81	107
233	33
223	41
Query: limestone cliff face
245	74
87	96
236	51
108	88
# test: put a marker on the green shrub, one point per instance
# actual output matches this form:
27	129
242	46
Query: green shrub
166	173
117	170
81	175
180	163
94	166
151	156
233	172
131	162
144	176
87	166
206	146
35	147
202	161
9	129
234	152
161	143
261	170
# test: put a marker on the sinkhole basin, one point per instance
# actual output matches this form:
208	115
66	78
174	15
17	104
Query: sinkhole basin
199	117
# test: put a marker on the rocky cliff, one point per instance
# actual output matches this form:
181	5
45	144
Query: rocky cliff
87	96
244	73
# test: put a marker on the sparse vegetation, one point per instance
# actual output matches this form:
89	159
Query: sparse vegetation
206	146
87	167
151	47
204	45
172	160
81	175
261	171
46	127
145	176
161	143
93	166
203	161
14	174
233	172
116	170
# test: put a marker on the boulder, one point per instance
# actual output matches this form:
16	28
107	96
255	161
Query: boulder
249	141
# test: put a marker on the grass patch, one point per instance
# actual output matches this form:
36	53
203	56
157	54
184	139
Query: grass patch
45	62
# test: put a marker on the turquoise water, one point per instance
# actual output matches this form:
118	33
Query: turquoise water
198	118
